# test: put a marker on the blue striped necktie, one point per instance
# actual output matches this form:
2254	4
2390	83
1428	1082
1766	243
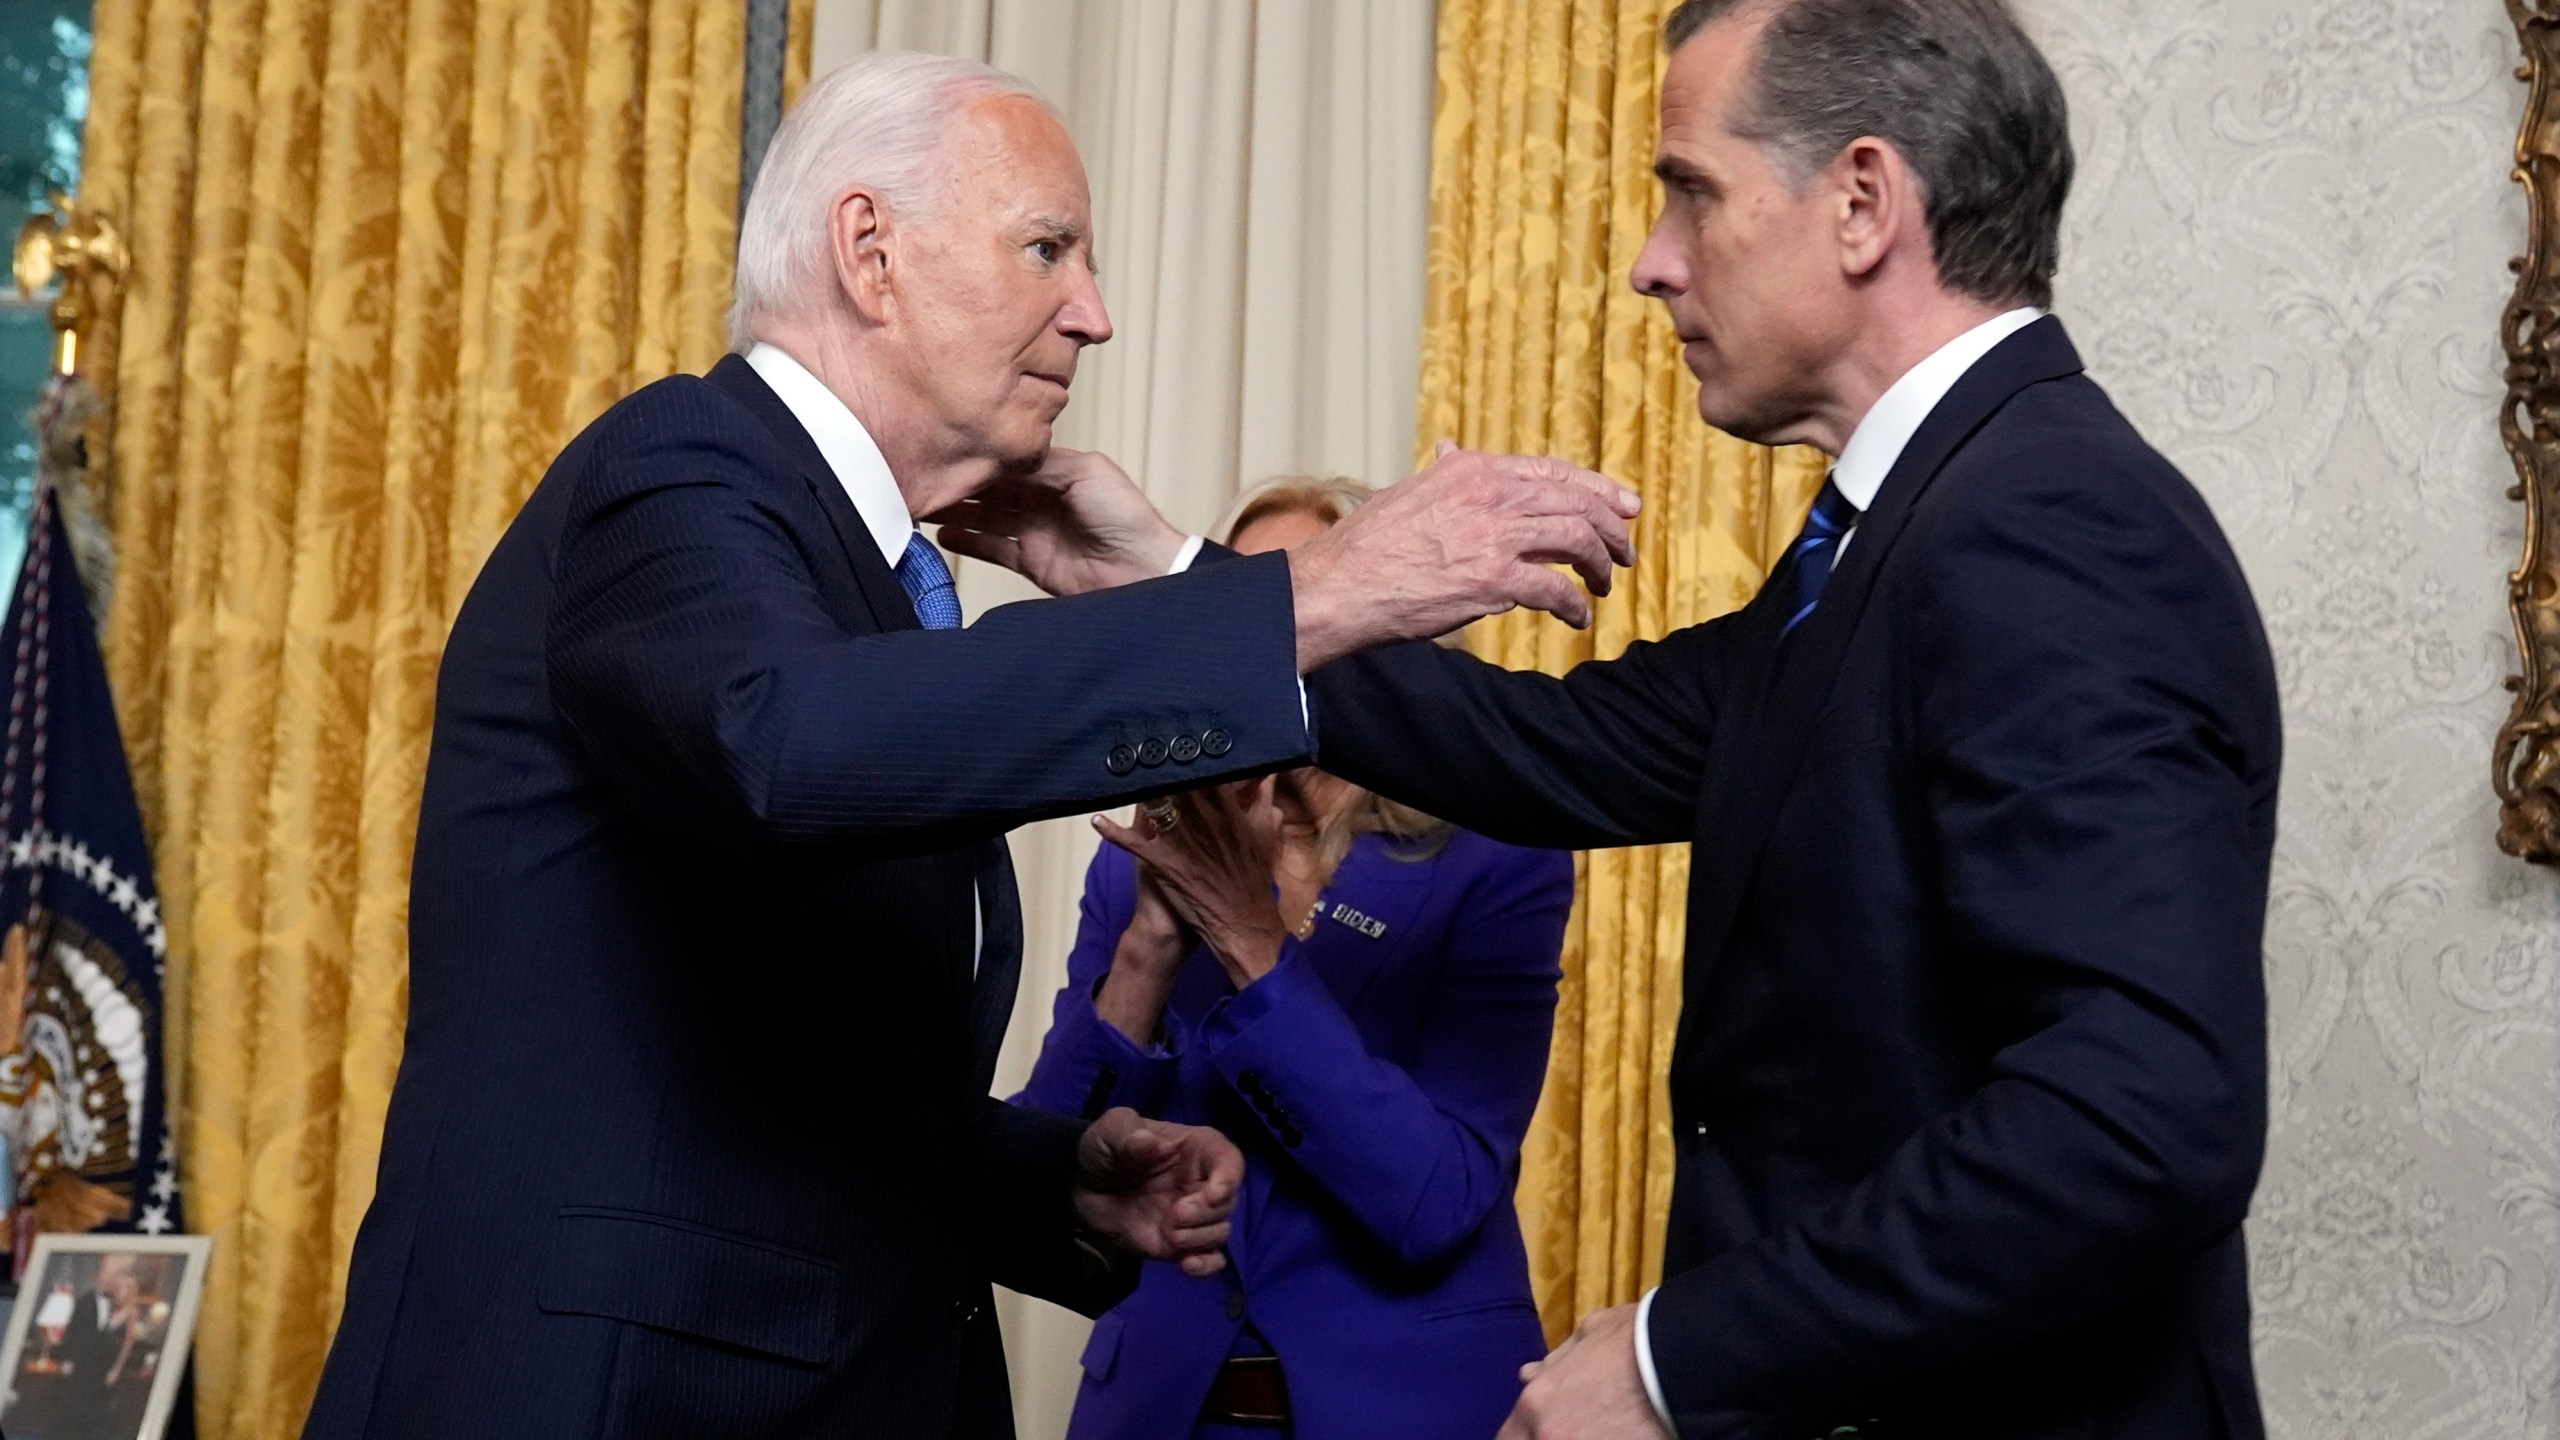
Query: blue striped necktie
1817	549
927	582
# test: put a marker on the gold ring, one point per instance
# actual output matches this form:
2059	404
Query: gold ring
1161	814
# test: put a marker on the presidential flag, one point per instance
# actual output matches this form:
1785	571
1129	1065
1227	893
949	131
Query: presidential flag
82	1111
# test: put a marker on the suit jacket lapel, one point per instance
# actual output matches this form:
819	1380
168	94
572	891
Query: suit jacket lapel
1752	765
998	959
878	584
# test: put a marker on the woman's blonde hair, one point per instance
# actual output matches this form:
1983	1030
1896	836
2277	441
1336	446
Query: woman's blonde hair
1329	498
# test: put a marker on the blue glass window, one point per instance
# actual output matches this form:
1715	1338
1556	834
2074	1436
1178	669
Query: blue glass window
44	101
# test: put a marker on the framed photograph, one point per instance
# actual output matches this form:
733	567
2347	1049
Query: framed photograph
98	1339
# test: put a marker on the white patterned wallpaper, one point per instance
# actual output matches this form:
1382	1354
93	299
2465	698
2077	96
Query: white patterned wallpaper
2287	259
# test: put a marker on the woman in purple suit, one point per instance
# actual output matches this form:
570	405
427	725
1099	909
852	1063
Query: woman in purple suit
1361	997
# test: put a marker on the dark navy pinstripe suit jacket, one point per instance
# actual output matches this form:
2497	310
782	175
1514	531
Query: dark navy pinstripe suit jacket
692	1135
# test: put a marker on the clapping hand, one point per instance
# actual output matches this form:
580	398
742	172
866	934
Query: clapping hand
1159	1190
1210	857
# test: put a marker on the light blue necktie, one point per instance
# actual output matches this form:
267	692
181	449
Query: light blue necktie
927	582
1817	549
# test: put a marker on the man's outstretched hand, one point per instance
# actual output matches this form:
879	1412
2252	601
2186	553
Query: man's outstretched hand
1078	524
1159	1190
1470	536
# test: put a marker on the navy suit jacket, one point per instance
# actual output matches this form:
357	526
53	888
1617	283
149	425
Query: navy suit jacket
1970	1087
692	1135
1379	1081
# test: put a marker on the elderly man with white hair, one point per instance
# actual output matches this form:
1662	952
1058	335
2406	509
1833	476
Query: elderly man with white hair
713	933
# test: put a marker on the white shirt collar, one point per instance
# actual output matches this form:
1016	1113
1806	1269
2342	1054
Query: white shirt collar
1878	442
849	449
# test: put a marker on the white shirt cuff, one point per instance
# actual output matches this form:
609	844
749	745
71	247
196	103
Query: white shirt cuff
1644	1357
1182	559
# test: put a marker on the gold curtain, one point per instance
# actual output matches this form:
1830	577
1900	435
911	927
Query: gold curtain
1541	194
388	255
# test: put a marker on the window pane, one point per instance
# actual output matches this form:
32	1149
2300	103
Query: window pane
44	99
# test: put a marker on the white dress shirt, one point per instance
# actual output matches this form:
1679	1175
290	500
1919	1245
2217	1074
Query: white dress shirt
1873	450
849	449
863	471
1880	438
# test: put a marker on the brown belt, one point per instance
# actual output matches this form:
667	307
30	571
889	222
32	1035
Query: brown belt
1249	1390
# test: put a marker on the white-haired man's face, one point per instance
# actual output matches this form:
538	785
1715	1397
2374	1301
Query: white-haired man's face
991	295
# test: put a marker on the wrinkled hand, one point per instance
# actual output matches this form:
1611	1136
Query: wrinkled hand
1155	939
1078	524
1588	1388
1213	867
1468	537
1159	1190
1143	966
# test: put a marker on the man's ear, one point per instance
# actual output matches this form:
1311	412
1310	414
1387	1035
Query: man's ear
1879	204
858	236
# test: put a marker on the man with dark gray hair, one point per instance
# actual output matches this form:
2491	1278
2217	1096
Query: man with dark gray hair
1969	1091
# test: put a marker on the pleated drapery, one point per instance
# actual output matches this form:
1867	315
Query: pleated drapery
1541	195
388	255
1258	178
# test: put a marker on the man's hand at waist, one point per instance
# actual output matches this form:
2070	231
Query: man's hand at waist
1159	1190
1588	1388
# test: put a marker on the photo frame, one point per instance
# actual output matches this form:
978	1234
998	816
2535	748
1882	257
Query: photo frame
2526	765
97	1343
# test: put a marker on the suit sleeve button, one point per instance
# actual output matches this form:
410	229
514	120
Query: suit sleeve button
1184	749
1151	752
1121	760
1235	1304
1215	743
1291	1136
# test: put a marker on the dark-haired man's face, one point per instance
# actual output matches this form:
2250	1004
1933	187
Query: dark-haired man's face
1748	264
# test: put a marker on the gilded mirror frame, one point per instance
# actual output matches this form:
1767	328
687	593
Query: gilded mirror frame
2526	766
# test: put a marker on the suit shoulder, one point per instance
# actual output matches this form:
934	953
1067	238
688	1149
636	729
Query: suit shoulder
2063	437
2053	428
2058	539
679	433
681	409
2060	463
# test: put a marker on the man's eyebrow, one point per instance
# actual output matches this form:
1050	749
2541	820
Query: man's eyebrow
1672	170
1056	227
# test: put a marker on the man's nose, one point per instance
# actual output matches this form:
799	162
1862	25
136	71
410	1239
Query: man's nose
1084	319
1661	270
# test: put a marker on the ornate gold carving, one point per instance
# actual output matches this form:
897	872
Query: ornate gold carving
2527	765
76	245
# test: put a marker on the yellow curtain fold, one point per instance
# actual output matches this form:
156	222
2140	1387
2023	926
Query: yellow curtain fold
388	255
1541	196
